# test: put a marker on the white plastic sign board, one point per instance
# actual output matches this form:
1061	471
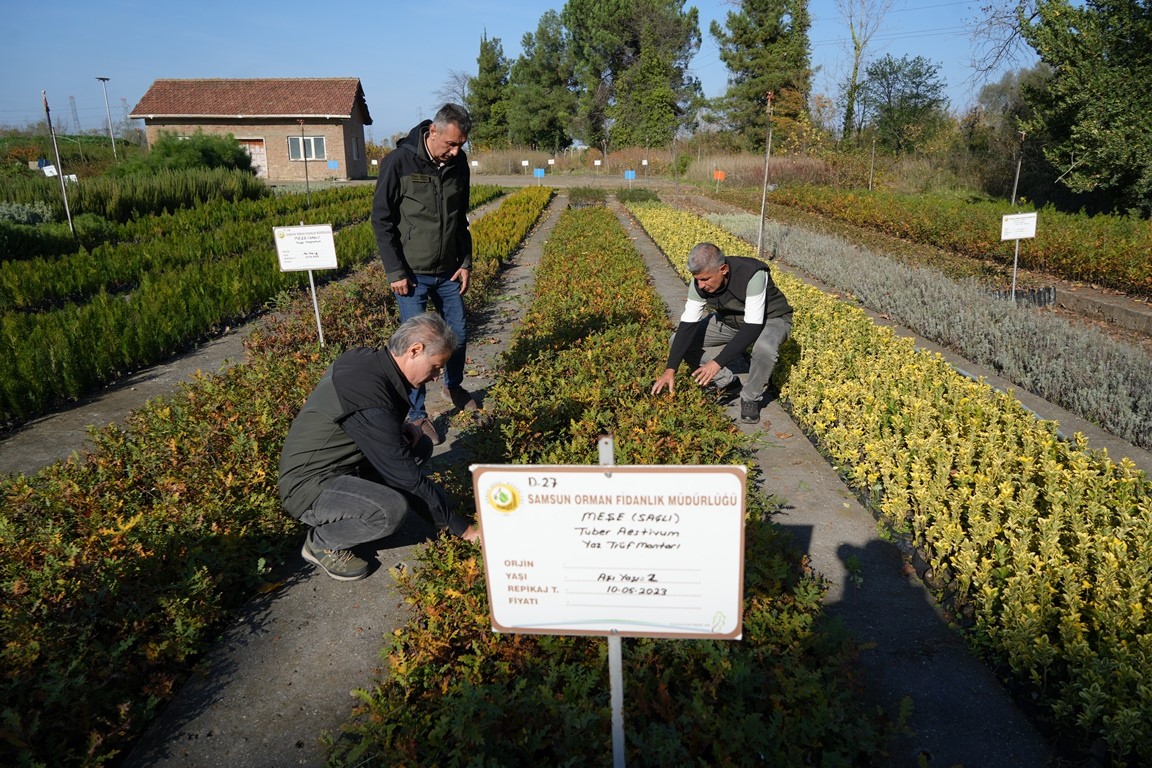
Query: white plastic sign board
1018	226
305	247
635	551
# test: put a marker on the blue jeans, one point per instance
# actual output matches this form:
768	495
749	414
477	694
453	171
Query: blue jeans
444	294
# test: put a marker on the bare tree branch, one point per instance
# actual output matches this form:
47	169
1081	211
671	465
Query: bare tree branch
455	88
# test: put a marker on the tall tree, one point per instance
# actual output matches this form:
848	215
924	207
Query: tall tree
619	46
765	47
487	96
1095	108
863	18
903	101
542	95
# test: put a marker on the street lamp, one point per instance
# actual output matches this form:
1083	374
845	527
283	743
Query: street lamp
108	111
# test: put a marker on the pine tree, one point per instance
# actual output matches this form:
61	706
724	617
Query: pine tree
542	95
487	96
765	47
622	49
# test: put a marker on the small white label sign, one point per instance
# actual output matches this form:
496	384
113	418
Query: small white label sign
638	551
1018	226
305	247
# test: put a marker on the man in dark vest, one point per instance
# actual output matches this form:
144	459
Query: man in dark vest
732	305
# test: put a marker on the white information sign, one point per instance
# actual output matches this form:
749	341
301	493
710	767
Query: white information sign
305	247
640	551
1018	226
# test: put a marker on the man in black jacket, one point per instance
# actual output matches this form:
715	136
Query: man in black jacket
350	466
420	218
732	304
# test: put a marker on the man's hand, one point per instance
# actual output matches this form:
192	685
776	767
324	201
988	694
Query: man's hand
402	287
666	380
706	372
472	533
462	276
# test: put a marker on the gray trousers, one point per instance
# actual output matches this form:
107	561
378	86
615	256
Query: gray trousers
713	335
353	510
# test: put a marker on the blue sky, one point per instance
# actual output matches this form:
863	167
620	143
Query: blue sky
402	52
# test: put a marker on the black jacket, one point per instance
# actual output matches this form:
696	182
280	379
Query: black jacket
352	424
420	211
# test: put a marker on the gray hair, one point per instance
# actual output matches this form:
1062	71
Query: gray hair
427	328
453	114
705	257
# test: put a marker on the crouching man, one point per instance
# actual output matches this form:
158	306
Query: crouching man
351	466
732	304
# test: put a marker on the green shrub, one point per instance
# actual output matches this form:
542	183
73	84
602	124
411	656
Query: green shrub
199	151
637	195
581	196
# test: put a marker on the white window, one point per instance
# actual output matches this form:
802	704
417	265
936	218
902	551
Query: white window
313	148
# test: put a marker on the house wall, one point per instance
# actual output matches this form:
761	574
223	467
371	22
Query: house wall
338	140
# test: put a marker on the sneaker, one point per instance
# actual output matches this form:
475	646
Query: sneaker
426	426
340	564
461	398
749	411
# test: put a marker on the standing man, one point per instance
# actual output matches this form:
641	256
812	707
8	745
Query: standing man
732	304
350	467
420	218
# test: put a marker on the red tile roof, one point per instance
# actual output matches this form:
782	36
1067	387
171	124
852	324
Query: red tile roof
268	97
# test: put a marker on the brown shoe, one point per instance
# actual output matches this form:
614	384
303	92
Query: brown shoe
429	429
461	398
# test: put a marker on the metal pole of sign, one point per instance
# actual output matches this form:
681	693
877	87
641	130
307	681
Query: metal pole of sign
316	307
1015	263
764	192
615	647
59	165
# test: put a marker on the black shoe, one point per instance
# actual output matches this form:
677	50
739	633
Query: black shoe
726	394
749	411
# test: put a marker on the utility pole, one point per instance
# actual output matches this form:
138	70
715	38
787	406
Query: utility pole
75	114
108	111
764	193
